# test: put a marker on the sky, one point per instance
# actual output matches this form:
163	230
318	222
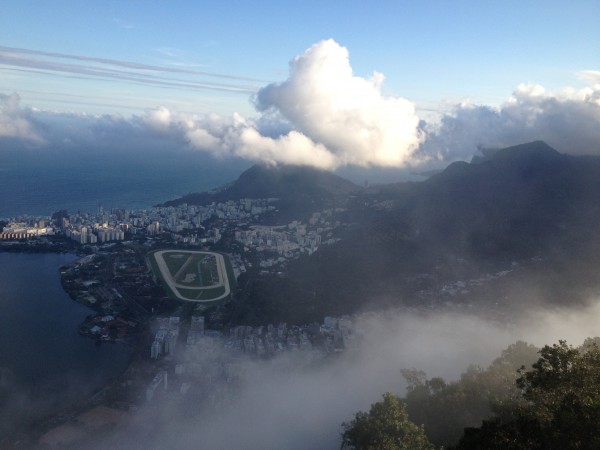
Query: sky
331	84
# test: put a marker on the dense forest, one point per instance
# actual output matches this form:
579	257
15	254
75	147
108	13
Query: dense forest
526	399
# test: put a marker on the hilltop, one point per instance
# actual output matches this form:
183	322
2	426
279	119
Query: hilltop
299	189
526	212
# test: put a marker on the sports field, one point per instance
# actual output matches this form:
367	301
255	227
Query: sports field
192	275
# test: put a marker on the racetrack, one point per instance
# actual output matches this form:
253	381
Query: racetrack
175	287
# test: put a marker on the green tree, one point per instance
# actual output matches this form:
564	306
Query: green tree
561	408
385	427
563	391
446	409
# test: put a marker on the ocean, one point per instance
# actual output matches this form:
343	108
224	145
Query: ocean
39	183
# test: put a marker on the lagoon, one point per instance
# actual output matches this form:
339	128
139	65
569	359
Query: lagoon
45	365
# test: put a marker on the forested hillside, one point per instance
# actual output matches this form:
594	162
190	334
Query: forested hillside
518	402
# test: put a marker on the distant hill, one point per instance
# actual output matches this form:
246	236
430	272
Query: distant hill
285	181
516	202
519	204
299	188
519	201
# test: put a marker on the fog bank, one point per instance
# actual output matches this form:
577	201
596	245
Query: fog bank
296	402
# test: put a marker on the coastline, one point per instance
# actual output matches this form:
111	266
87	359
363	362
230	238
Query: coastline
26	430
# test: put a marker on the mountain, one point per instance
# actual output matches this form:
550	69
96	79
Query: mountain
300	189
520	201
285	181
517	202
526	206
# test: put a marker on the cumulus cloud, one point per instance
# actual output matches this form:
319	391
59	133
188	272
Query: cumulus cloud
14	121
159	119
236	136
322	115
568	120
326	116
348	114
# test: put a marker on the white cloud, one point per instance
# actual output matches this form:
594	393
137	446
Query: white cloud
568	120
14	121
328	117
349	115
292	148
590	75
325	116
236	136
159	119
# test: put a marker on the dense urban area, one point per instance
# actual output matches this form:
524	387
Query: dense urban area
181	350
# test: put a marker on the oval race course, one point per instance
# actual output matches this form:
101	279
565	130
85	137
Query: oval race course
176	287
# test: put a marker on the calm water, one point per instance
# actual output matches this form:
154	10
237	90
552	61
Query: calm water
42	183
44	363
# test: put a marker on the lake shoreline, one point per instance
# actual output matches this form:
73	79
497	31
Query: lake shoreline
66	370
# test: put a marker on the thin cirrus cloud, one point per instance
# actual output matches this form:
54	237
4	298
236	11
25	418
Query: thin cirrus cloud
325	116
591	75
110	69
335	118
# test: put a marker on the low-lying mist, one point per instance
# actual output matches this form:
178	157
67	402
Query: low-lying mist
296	402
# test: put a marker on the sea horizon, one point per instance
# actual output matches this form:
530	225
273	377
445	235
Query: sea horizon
41	183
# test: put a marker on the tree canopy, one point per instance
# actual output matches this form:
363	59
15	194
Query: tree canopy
445	409
551	403
385	427
561	408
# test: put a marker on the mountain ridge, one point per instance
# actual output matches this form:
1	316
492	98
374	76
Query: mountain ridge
275	181
524	204
299	190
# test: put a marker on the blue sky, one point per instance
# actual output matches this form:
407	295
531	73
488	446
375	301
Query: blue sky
128	59
430	52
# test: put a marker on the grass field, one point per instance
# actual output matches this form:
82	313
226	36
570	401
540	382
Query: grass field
175	260
193	275
204	294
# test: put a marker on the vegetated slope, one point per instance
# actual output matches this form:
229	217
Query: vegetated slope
517	203
298	188
528	398
521	202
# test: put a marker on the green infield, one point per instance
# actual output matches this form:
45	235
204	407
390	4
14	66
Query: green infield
193	275
175	260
